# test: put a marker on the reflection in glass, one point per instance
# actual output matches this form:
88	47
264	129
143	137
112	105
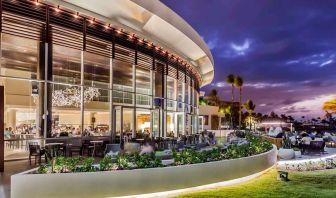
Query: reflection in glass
66	65
122	76
96	70
20	57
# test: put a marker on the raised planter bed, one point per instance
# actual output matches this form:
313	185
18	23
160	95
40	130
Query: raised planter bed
137	181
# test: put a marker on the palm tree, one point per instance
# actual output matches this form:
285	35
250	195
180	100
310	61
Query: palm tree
230	80
238	82
250	106
213	98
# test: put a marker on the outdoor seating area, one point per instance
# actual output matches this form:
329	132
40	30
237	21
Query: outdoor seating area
93	146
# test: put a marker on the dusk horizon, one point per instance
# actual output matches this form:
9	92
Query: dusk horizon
284	50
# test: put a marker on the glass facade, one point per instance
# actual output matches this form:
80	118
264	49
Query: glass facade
66	83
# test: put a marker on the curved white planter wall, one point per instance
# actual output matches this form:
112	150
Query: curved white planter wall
139	181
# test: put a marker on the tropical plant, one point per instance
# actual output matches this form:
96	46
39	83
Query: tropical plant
286	143
106	163
43	169
238	82
123	161
147	161
87	165
250	106
230	80
71	164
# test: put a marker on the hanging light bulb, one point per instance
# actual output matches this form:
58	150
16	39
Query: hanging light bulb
76	15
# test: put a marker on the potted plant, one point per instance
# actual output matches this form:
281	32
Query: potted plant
286	152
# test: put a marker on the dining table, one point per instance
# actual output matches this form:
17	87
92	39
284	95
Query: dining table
95	143
52	148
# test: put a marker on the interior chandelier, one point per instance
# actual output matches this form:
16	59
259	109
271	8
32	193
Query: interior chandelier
72	96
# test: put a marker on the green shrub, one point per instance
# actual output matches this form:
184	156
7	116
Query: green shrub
87	165
72	163
106	163
43	169
188	156
147	161
123	161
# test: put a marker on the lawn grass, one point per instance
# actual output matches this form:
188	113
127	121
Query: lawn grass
301	184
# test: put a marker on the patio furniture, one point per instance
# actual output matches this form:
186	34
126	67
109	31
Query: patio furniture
87	147
112	150
131	148
55	149
273	140
201	145
36	151
97	147
75	147
316	147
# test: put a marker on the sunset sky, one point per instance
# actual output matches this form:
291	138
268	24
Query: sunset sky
285	50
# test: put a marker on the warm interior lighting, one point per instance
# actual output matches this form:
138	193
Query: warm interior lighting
57	9
37	3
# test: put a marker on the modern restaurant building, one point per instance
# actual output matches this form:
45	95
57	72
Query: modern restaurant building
108	68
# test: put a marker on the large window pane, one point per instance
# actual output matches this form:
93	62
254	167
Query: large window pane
143	87
66	114
22	117
143	81
171	93
20	57
96	70
158	80
127	122
66	65
122	76
97	114
143	122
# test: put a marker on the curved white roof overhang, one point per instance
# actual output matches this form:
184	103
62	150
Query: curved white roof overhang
154	21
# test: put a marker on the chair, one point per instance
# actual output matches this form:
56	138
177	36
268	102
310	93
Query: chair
36	151
112	150
75	147
87	146
132	148
316	146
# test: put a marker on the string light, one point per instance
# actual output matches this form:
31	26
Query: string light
132	36
57	9
76	15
